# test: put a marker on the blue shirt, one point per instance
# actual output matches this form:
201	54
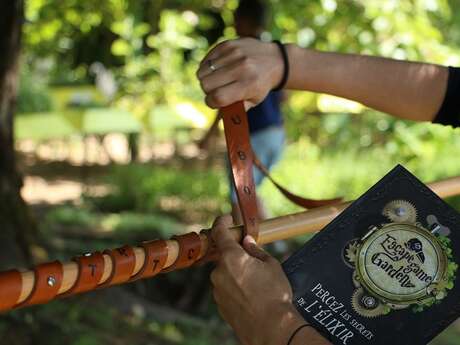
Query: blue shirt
267	113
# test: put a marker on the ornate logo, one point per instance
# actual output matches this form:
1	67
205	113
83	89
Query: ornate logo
400	264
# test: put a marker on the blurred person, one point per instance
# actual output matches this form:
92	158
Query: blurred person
250	288
105	80
265	119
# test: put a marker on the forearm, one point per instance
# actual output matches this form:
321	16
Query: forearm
407	90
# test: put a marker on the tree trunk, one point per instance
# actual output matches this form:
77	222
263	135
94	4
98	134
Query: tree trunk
15	220
133	143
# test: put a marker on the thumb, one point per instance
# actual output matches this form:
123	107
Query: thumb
251	247
222	237
248	105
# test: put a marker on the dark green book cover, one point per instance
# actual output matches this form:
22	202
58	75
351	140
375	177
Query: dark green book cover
385	270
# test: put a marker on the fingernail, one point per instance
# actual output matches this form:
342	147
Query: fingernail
250	239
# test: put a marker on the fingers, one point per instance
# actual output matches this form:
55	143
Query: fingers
228	80
220	50
226	95
240	70
225	74
224	60
222	237
251	247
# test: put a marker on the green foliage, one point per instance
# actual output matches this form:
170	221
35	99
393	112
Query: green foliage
143	76
176	190
41	126
452	266
33	94
347	168
107	120
122	225
70	216
154	49
85	321
86	339
449	282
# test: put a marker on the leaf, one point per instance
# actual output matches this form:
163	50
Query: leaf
121	47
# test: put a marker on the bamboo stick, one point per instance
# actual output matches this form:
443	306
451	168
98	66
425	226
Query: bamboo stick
271	230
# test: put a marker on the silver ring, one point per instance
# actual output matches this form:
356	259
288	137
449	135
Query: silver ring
211	66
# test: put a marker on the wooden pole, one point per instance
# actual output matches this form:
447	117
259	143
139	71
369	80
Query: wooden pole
271	230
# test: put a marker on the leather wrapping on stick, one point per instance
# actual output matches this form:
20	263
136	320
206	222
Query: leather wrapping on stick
19	289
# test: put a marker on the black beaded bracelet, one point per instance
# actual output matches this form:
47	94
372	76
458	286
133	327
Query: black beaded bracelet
284	55
297	331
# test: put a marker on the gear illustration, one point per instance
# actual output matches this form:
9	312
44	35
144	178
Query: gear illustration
350	251
400	211
355	279
367	305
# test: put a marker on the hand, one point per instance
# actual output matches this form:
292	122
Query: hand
251	290
245	70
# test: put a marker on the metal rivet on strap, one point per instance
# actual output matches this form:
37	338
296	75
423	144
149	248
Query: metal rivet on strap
51	281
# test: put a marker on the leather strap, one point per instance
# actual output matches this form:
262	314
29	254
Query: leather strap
90	271
156	254
124	261
241	160
10	289
296	199
48	280
212	253
189	251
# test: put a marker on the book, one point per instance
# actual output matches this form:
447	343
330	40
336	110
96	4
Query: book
385	270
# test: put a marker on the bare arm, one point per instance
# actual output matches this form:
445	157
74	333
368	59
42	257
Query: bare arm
248	69
408	90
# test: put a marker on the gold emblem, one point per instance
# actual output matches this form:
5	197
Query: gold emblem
399	264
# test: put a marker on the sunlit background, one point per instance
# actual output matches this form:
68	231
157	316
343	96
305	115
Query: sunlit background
108	119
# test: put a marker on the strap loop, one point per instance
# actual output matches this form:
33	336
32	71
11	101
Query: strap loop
48	280
189	251
156	254
123	261
90	271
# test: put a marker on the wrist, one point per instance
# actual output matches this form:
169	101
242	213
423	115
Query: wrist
296	55
282	49
314	71
278	65
284	322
